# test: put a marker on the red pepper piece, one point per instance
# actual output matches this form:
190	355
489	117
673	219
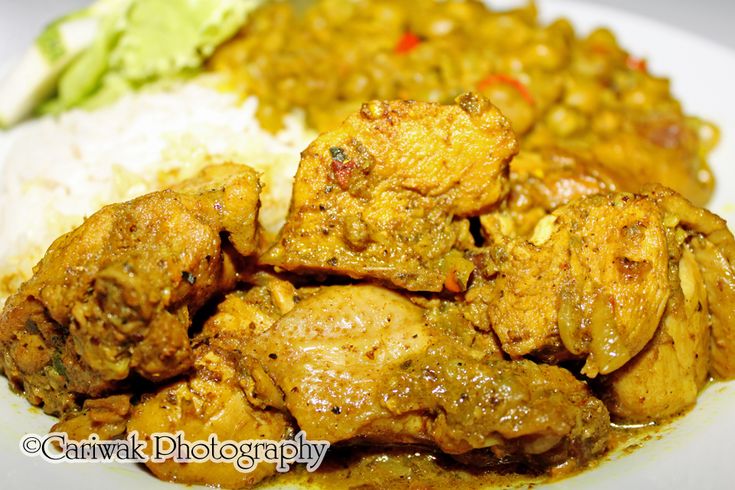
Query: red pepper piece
342	172
637	64
451	283
507	80
407	43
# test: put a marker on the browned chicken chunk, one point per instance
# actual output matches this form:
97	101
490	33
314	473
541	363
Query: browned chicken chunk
382	195
117	294
217	397
657	149
107	417
592	282
665	378
634	284
697	334
540	183
363	363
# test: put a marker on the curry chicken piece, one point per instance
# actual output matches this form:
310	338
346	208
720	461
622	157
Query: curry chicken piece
697	334
363	364
106	417
713	246
117	294
540	182
667	375
717	266
641	149
545	178
637	285
383	196
218	397
592	282
657	149
210	401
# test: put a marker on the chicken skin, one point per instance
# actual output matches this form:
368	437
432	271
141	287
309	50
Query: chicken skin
362	364
667	375
591	283
218	397
383	195
117	294
696	337
636	285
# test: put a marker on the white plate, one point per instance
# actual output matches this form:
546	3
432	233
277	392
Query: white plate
695	452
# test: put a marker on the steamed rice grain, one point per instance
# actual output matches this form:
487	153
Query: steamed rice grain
56	171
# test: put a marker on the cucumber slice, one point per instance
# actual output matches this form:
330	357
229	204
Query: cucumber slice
35	76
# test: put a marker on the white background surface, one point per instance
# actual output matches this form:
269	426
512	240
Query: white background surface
20	20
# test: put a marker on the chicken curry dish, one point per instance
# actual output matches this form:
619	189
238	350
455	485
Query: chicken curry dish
377	317
487	271
568	97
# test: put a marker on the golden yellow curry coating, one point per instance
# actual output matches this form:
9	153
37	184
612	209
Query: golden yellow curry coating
695	337
634	290
595	277
106	417
211	400
591	282
637	285
364	364
666	377
383	195
117	294
539	184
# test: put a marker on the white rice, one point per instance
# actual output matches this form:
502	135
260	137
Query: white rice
56	171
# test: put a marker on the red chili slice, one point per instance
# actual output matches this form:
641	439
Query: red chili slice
342	172
495	79
637	64
407	43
